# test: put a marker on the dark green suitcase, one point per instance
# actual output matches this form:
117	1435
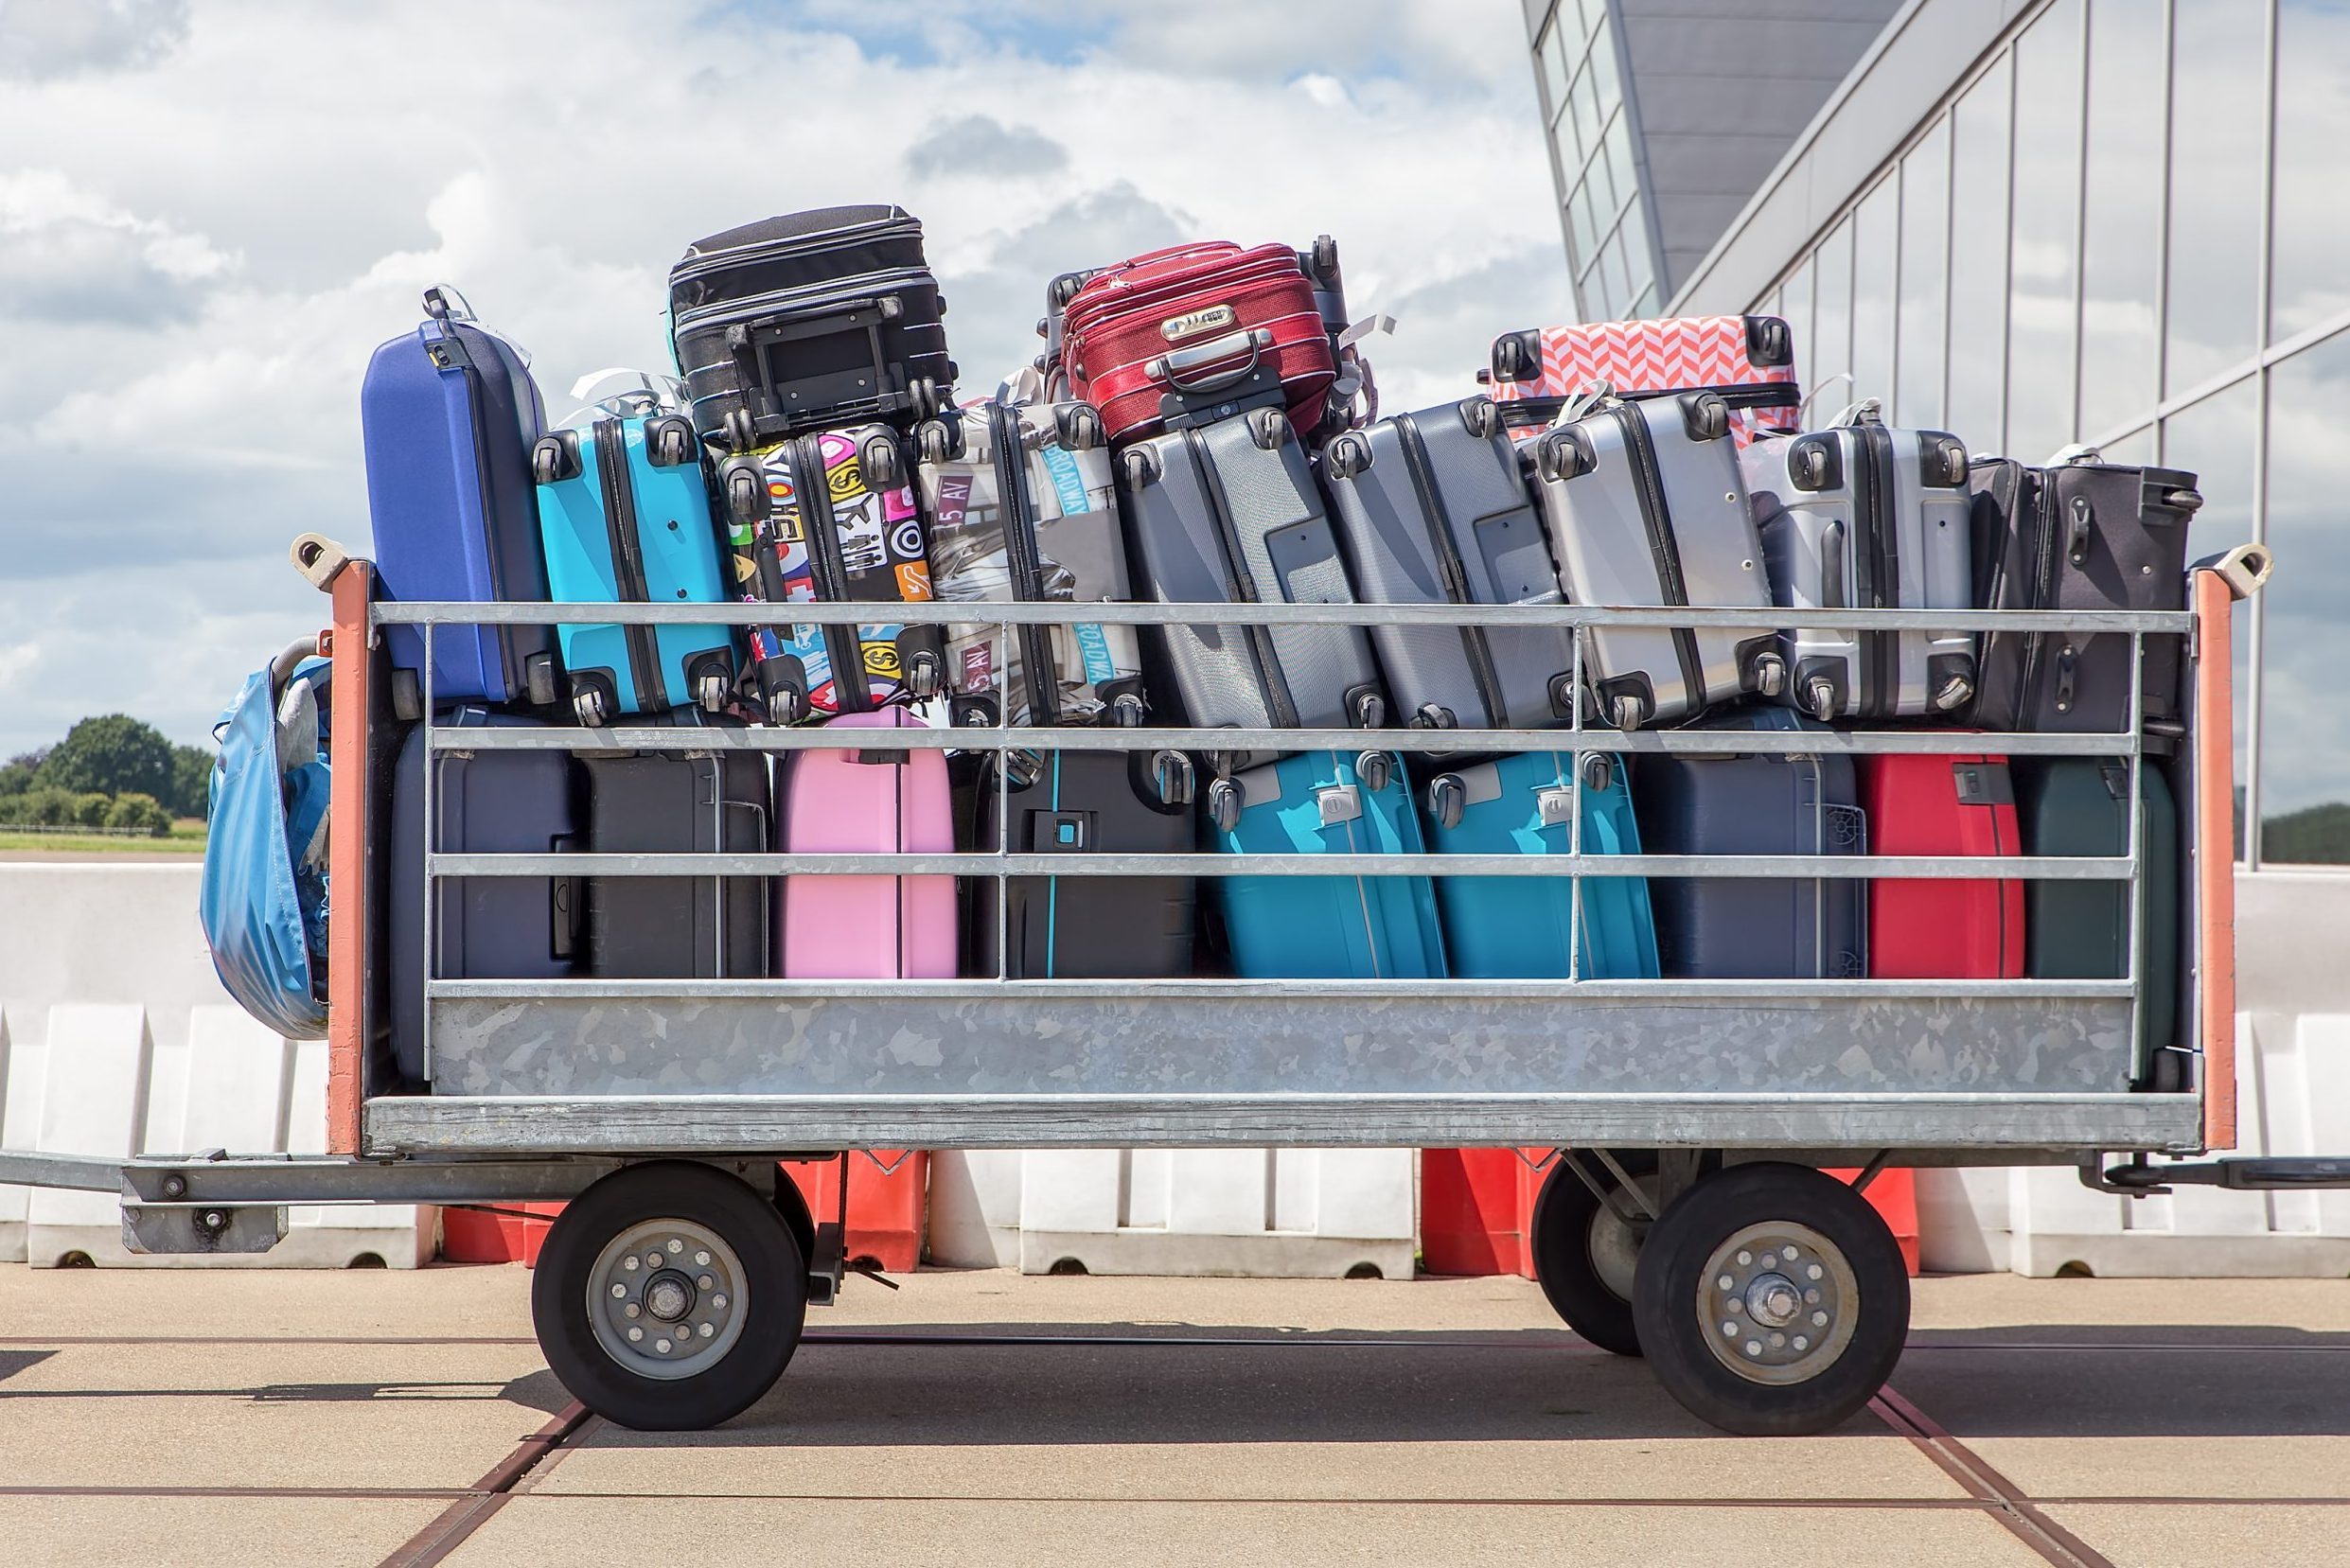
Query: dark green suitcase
2080	930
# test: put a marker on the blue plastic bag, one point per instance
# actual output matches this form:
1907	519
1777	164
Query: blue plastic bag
264	901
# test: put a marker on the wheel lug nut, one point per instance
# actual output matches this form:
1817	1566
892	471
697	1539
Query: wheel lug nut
629	1262
705	1330
1802	1344
662	1344
1815	1271
1726	1283
1744	1259
718	1301
675	1246
1754	1348
619	1291
701	1260
1819	1320
652	1260
635	1334
705	1282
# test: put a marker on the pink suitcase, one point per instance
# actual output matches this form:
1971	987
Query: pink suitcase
1749	360
866	799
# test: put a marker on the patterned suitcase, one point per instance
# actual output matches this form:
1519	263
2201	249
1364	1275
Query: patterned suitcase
1749	360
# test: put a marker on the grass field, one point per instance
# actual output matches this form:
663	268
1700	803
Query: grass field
187	838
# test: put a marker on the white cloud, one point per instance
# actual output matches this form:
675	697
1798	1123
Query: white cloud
62	38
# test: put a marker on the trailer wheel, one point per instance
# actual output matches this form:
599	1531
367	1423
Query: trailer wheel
1770	1300
669	1297
1585	1255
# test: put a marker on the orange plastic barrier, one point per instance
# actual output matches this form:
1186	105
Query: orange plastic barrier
469	1236
884	1210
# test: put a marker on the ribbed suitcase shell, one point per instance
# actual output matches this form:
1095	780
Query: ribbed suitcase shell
1749	360
1431	508
1517	927
868	798
678	802
1328	928
1863	517
1942	928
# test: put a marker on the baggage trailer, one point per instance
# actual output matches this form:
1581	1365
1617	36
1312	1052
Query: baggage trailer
1684	1216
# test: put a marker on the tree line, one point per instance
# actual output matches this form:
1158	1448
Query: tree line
112	771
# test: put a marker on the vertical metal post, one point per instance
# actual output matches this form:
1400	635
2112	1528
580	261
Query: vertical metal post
2257	634
428	969
1005	632
2135	844
1574	828
2080	231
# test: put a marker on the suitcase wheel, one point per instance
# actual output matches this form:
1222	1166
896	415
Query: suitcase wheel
589	705
1375	769
1081	427
554	458
1322	260
745	494
1478	417
1706	415
1172	772
1954	693
1820	700
922	677
1629	712
1268	428
1770	675
1371	711
787	705
1447	798
669	443
937	444
713	692
1599	771
1514	357
1127	713
1561	454
1224	804
740	435
1346	456
883	465
1141	467
1432	716
407	696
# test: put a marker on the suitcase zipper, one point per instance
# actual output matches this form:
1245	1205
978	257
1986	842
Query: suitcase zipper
1876	554
1648	482
1448	563
2043	583
1271	684
628	550
844	645
1004	433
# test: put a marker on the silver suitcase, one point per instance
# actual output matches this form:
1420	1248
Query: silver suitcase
1863	517
1643	506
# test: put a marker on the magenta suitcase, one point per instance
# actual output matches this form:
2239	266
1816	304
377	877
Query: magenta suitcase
866	799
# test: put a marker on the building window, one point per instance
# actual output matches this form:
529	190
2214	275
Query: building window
2310	281
1925	238
2218	57
1876	263
1978	297
2122	220
2305	726
1831	333
1795	304
2046	221
2217	438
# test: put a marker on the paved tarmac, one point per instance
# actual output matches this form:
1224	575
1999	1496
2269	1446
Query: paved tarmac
259	1417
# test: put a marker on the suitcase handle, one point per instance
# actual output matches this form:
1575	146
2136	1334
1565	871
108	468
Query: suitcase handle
1174	368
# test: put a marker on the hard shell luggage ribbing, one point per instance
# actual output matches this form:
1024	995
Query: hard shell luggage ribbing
1860	517
1516	928
2080	536
624	513
1433	509
1768	802
486	927
828	518
1086	927
1328	927
2080	930
867	798
1937	928
1749	360
449	412
1019	507
1644	505
814	318
1230	514
677	802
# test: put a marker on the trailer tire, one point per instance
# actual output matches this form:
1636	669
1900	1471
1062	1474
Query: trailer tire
1815	1310
663	1346
1583	1255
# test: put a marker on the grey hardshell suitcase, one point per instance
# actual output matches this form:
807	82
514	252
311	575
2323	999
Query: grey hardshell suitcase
1432	508
1022	507
1861	516
1644	505
1229	513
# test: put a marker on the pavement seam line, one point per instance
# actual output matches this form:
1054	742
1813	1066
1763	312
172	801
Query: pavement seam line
450	1529
2011	1507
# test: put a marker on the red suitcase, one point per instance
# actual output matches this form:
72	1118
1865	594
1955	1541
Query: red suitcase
1934	929
1194	321
1749	360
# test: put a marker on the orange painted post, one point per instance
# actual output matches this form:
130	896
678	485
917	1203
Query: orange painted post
2215	855
353	590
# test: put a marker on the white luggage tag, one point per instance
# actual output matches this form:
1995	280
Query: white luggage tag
648	393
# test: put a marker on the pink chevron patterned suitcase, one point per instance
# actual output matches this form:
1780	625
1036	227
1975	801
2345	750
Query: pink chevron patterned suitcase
1749	360
867	798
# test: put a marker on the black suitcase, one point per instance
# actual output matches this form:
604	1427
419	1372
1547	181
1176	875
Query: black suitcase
1764	803
1086	927
677	927
2081	536
813	318
487	927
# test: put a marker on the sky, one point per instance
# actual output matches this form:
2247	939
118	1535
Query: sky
212	211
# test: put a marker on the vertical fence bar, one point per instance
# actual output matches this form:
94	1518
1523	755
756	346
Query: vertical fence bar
430	969
2134	845
1005	632
348	646
2215	858
1574	828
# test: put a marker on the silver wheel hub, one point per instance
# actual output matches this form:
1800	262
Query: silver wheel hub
1615	1245
666	1298
1778	1302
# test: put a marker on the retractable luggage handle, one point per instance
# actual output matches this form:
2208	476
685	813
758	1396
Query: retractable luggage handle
1172	368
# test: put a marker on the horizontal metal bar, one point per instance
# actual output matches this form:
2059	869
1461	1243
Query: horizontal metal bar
161	1182
1062	612
684	1123
1212	990
1848	868
81	1172
1685	742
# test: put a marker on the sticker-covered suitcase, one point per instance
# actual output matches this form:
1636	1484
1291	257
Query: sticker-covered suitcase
1929	929
1522	927
1749	360
866	797
623	515
831	518
1019	507
1431	508
1860	516
1645	506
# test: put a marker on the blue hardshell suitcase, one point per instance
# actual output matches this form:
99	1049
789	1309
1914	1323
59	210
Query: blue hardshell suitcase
623	513
1327	927
1517	927
449	412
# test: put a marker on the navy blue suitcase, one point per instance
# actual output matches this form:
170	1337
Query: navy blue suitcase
449	414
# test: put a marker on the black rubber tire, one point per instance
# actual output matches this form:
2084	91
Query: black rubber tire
1560	1241
775	1276
1668	1284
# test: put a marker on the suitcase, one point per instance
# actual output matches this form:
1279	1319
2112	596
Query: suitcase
1644	505
853	536
1018	504
448	414
1145	337
1764	802
1228	512
866	799
1328	927
1939	928
2080	536
1520	928
816	318
1084	927
1862	517
1749	360
2080	930
677	802
487	927
623	513
1432	509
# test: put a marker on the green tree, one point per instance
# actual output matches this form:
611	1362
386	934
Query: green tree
110	755
2317	835
90	809
192	778
50	807
19	774
141	812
